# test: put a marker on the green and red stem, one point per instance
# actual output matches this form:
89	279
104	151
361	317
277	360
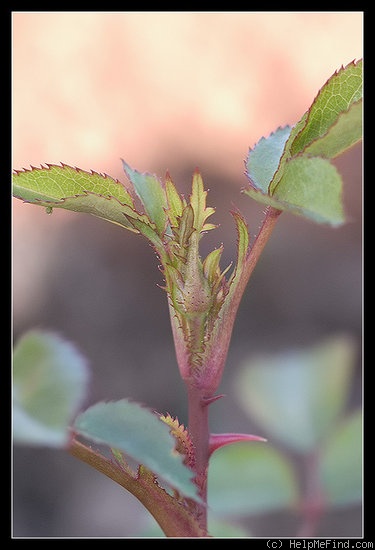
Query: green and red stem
201	390
175	518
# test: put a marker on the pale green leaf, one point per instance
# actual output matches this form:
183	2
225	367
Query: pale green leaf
332	124
250	478
280	169
286	154
263	161
297	397
139	433
311	187
49	383
152	195
341	463
74	189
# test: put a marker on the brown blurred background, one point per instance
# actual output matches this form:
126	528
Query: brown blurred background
168	90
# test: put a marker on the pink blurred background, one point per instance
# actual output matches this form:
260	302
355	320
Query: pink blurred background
167	90
157	87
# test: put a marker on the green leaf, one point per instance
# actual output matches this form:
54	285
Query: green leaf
243	241
76	190
311	187
152	195
135	430
198	204
341	463
298	396
288	170
340	92
49	384
249	478
175	203
211	265
345	132
263	161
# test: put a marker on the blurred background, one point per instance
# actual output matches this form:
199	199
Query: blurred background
169	91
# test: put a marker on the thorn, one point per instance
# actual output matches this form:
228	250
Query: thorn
208	400
220	440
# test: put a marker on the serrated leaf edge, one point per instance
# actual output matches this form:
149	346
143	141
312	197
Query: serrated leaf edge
305	151
308	112
48	166
264	138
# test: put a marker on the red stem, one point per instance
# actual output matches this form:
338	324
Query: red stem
220	343
268	224
175	519
200	397
199	433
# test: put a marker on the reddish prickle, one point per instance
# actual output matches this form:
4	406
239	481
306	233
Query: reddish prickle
219	440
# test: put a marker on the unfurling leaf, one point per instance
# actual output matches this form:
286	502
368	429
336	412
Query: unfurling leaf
184	444
243	247
175	203
152	195
198	203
